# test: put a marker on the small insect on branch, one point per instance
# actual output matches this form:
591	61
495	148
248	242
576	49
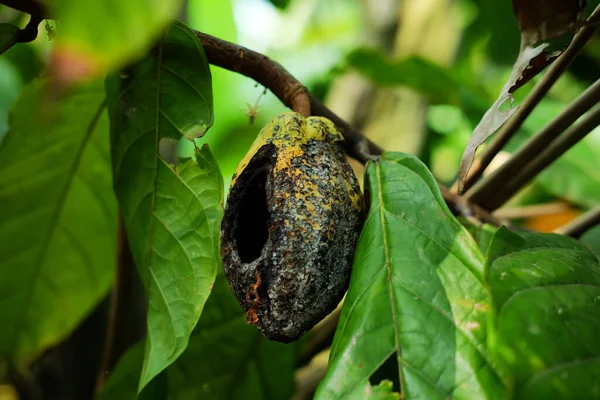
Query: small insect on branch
252	112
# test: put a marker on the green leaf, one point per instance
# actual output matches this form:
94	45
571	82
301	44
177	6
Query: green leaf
229	359
422	75
10	87
546	291
8	36
592	239
97	36
171	214
225	359
124	379
58	217
416	294
281	4
482	233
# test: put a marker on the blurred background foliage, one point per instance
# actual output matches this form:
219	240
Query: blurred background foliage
416	76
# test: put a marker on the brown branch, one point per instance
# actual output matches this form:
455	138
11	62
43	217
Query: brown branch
118	317
276	78
581	224
288	89
495	183
258	67
555	71
555	150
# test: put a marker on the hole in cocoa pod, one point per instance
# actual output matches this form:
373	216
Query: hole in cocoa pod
251	231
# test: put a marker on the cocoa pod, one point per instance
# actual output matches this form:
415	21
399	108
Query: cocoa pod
292	219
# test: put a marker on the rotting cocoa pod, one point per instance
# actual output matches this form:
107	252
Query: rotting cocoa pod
292	219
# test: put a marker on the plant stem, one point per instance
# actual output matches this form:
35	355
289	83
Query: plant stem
556	149
535	210
580	225
554	72
118	305
495	182
288	89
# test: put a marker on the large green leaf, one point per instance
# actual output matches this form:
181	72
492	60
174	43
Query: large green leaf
96	36
416	294
8	36
171	214
225	359
546	291
57	216
592	239
229	359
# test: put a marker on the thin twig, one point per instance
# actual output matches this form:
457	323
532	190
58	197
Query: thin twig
554	72
462	207
283	85
495	182
535	210
556	149
118	309
581	224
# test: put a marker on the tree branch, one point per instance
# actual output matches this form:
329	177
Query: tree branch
580	225
511	127
556	149
290	91
496	182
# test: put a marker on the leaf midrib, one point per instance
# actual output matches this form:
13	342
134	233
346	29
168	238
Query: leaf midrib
389	271
56	218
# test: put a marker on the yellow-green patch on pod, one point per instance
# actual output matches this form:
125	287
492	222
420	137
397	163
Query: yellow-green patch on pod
292	220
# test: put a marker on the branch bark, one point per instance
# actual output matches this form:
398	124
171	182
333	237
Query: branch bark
537	94
495	183
290	91
550	154
580	225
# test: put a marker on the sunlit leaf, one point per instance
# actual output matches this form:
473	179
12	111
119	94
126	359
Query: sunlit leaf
58	217
96	36
171	213
416	294
546	291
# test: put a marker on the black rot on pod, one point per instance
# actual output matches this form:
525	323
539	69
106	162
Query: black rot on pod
292	220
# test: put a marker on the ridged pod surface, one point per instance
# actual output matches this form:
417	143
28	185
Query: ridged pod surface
293	216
